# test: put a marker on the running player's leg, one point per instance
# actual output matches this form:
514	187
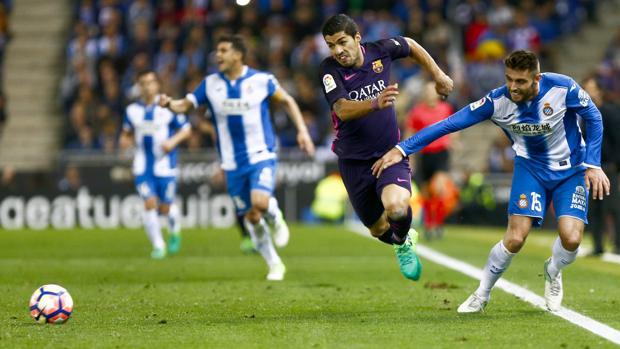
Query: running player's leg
166	191
528	202
361	189
394	188
262	184
570	200
146	188
275	219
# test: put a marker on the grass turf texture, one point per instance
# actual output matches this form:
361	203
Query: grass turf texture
341	291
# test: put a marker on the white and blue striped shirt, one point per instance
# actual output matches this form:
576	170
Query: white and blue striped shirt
545	131
240	113
152	125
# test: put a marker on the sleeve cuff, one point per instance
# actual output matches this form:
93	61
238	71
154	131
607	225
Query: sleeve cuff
192	98
401	150
591	166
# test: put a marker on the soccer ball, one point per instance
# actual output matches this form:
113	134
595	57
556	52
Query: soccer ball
51	304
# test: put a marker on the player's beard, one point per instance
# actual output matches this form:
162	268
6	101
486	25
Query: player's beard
527	94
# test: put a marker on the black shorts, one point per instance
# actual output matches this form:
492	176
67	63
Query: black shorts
431	163
364	189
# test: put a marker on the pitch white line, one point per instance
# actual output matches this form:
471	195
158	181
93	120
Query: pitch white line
598	328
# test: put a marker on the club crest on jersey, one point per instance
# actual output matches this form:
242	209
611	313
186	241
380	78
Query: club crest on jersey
547	110
523	201
377	66
329	83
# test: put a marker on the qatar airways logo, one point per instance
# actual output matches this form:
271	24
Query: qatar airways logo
368	91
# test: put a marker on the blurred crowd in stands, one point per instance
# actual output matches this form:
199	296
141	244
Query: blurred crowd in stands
111	40
5	36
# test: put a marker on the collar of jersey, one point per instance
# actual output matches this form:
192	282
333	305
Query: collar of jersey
244	72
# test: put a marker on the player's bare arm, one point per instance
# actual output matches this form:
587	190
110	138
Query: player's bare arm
347	109
179	106
443	83
292	109
390	158
126	140
175	140
597	183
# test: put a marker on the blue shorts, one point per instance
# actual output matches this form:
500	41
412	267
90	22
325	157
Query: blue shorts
163	187
365	190
241	182
530	195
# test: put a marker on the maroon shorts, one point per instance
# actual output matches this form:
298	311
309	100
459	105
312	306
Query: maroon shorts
365	189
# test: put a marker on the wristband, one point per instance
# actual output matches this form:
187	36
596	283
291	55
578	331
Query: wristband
374	104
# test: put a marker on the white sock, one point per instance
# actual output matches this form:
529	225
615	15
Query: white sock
153	228
262	241
272	210
498	262
174	221
560	258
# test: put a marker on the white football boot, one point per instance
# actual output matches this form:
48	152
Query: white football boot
473	304
280	230
553	290
276	272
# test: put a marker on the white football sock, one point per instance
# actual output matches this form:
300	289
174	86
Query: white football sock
174	220
498	262
262	241
272	211
153	228
560	258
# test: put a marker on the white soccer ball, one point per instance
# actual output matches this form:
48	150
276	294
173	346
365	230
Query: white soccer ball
51	304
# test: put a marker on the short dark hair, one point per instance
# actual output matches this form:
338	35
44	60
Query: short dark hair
340	23
237	42
142	73
522	60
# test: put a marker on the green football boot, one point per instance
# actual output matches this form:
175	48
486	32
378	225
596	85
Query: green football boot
174	243
247	246
408	260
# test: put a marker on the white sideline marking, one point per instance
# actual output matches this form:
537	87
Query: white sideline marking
598	328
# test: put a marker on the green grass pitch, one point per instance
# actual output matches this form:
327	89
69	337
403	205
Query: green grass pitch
341	291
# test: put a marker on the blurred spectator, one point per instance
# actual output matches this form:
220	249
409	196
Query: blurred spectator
8	182
112	40
608	210
71	180
3	114
432	164
501	154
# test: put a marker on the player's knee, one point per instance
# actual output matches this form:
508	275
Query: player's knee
253	216
396	209
164	209
150	203
572	241
514	241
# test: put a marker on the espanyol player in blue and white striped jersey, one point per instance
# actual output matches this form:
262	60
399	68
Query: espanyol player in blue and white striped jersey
238	98
157	132
540	113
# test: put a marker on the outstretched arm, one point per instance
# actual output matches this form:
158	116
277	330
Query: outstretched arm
280	96
179	106
444	84
464	118
184	105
